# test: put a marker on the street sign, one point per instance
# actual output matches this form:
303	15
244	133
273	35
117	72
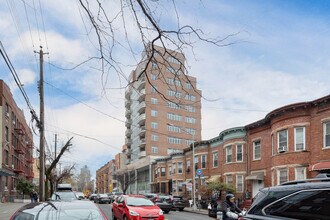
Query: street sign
199	172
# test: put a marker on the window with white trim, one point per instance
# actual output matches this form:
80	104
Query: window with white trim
188	86
163	171
190	97
173	168
174	140
229	179
299	138
229	154
154	101
170	170
282	176
180	185
154	113
300	173
191	120
154	149
256	150
174	105
282	137
215	159
239	183
239	152
326	134
190	108
174	117
180	167
154	77
154	125
154	137
272	140
203	159
191	131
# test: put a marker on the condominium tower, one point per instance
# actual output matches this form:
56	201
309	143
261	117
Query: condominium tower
163	109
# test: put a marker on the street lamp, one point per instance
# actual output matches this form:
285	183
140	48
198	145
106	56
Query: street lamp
194	174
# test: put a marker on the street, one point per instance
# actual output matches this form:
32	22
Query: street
173	215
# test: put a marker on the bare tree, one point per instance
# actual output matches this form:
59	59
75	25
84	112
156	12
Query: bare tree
51	177
143	18
124	178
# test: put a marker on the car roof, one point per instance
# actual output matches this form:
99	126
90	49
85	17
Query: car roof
58	207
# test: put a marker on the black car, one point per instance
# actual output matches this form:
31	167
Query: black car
164	202
102	198
178	203
303	199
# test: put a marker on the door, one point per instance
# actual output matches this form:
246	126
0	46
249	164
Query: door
257	184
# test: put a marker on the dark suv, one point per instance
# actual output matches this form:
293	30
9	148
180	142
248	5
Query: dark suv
303	199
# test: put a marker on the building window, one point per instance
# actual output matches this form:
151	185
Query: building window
299	138
174	117
282	137
190	108
326	132
300	173
196	162
154	89
282	176
188	86
6	134
170	170
154	125
215	159
154	77
163	171
154	113
179	167
239	183
173	128
7	109
154	137
154	150
173	168
154	101
174	186
239	152
229	154
256	150
174	105
162	188
173	140
229	179
191	131
203	161
170	81
180	185
174	94
189	142
191	120
6	157
272	140
188	165
190	97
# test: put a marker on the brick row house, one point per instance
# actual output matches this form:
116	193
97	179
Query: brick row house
290	143
16	153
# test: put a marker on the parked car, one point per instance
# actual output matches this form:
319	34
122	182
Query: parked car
59	210
92	197
114	195
63	196
165	202
80	195
303	199
102	198
178	203
135	208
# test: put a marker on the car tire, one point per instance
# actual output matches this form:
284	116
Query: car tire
125	218
167	211
181	209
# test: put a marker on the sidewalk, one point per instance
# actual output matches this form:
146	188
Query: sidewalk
8	209
199	211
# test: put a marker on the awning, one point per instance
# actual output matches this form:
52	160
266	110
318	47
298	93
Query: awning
255	176
215	178
4	172
320	166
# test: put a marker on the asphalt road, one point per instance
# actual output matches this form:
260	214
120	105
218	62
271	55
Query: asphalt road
173	215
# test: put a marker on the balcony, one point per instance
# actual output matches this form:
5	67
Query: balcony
141	107
142	83
128	93
128	132
128	113
142	154
19	150
142	132
142	95
18	169
128	142
127	103
141	119
142	143
128	123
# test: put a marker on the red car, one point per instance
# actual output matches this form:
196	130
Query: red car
135	208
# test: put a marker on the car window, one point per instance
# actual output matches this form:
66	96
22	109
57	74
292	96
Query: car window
308	204
134	201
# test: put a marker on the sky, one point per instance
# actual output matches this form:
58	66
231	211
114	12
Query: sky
278	54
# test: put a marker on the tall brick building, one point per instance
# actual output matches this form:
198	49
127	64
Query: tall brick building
16	158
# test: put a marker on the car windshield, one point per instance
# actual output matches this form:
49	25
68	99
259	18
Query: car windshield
103	195
64	196
132	201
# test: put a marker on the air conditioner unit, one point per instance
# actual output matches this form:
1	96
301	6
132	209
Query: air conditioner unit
282	149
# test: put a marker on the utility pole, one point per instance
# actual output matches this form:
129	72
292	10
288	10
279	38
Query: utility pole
41	130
